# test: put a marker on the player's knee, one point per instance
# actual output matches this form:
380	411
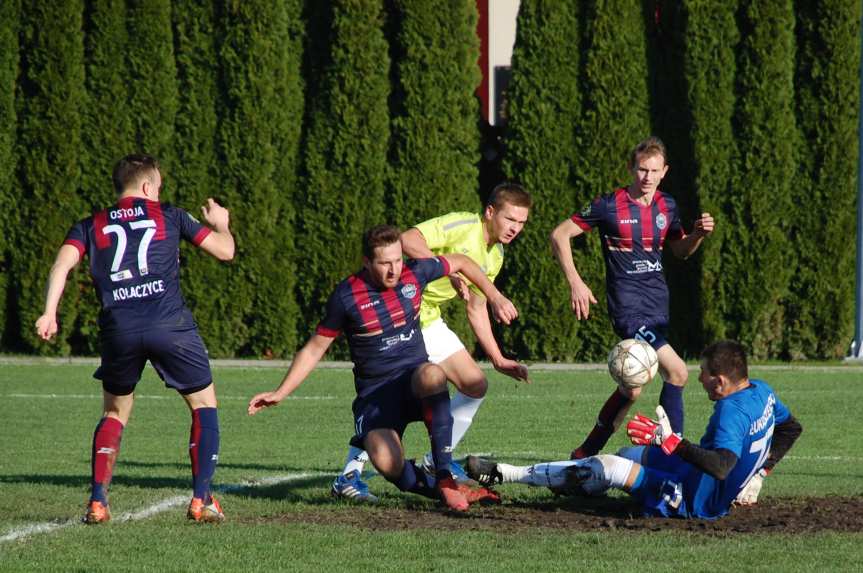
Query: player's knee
432	379
474	386
678	375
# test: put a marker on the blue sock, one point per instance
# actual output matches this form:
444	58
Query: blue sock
204	450
671	398
414	481
639	482
438	420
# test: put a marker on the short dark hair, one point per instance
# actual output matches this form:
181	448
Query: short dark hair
379	236
509	192
131	168
727	358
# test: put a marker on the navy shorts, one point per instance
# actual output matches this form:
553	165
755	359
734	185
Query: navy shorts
179	357
651	329
392	406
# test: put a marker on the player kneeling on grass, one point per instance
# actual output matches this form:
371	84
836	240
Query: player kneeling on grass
750	429
378	309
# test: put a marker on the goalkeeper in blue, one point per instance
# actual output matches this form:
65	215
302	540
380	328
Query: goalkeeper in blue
747	435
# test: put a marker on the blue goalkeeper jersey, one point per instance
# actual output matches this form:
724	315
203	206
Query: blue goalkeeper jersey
742	423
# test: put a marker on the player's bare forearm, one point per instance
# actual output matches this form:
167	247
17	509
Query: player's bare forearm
302	365
67	258
480	323
219	243
685	247
504	310
414	244
477	315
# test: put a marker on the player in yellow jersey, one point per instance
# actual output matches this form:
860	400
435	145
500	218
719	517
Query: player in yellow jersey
480	236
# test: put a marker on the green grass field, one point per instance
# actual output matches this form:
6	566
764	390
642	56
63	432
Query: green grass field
275	470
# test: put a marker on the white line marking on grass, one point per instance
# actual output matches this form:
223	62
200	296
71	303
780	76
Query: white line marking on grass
158	507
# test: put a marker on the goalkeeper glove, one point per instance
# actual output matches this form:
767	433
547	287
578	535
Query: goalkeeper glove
644	431
749	494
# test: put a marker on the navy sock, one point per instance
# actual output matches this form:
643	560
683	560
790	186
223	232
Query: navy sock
605	424
671	398
438	420
204	450
414	481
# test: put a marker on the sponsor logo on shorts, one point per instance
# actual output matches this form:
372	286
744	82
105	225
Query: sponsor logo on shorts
642	266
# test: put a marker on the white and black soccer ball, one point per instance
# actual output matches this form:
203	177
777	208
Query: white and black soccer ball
632	363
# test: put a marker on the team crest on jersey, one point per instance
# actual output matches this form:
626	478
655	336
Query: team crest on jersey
661	221
409	290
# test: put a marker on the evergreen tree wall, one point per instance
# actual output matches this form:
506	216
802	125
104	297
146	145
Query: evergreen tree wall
819	319
709	33
9	26
544	108
49	107
435	141
757	258
259	140
345	158
312	121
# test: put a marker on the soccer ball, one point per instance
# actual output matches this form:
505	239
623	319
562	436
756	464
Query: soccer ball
632	363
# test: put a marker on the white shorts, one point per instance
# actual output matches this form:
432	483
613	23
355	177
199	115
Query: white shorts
440	341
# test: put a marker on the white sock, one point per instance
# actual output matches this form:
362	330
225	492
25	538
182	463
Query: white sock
540	475
356	460
463	409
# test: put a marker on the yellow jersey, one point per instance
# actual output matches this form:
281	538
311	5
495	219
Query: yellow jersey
461	233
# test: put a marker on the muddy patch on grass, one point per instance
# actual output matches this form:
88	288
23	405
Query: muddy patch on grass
777	515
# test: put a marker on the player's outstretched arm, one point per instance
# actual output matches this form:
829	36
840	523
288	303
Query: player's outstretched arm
504	311
219	243
477	316
302	365
581	297
683	248
67	258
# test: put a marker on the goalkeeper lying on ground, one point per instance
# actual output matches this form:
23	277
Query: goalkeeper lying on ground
749	432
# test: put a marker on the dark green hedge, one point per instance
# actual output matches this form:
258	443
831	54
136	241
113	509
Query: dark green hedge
345	159
50	104
545	108
9	26
312	121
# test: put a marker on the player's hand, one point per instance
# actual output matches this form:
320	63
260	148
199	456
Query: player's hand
749	494
261	401
460	285
512	369
581	297
215	215
503	309
643	431
46	326
704	225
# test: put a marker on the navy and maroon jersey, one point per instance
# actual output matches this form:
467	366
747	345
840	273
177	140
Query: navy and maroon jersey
632	239
382	326
134	250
